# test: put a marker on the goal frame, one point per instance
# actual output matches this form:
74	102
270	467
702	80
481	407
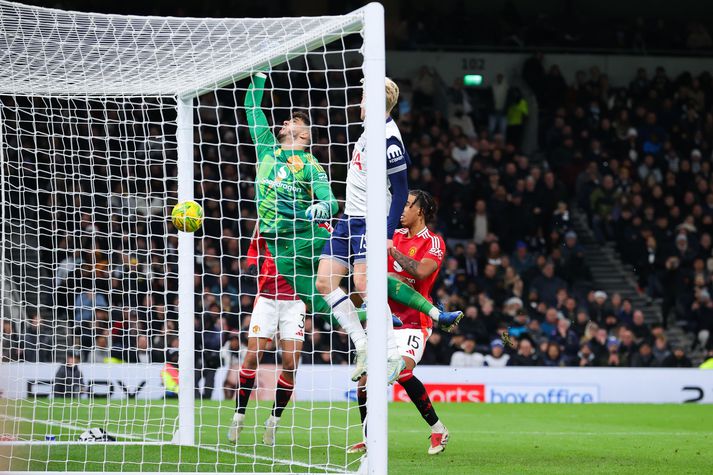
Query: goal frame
370	20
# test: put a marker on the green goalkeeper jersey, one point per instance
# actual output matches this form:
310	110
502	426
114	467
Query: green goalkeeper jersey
288	181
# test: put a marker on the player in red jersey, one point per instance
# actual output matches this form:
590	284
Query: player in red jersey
277	307
415	259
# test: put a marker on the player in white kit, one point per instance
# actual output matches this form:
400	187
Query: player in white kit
346	249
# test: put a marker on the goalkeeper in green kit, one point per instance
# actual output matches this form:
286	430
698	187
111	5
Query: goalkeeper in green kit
293	196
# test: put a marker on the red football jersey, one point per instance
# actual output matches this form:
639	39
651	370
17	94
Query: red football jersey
424	245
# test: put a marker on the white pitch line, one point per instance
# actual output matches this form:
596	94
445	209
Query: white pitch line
63	425
393	430
155	441
75	442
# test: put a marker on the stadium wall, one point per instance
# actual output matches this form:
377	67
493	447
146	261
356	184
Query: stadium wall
444	383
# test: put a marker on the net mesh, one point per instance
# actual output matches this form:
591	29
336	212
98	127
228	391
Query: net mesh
57	52
88	125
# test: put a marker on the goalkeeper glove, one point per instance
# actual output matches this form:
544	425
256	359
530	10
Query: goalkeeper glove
319	212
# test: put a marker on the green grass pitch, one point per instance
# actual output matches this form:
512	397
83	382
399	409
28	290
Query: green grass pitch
485	438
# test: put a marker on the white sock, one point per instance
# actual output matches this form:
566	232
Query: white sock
438	427
273	421
346	314
239	417
392	350
435	314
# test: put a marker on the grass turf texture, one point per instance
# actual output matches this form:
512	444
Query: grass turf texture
484	439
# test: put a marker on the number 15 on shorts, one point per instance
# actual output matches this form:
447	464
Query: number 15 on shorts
411	342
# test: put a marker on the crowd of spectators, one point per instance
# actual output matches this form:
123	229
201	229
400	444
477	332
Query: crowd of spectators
635	158
515	262
638	160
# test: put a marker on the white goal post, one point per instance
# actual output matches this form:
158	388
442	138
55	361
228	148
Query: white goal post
153	90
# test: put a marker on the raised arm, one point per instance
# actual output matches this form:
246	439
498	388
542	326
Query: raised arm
399	196
259	128
397	162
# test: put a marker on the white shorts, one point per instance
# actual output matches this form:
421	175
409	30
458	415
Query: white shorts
412	341
269	316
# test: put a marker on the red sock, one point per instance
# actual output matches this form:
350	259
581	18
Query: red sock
283	393
245	387
417	392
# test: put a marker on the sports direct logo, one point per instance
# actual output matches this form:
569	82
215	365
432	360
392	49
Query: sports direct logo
446	393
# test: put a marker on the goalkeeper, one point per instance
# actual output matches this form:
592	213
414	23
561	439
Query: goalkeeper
293	195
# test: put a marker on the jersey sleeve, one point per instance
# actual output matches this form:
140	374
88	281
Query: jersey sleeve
399	196
396	157
436	250
258	125
317	179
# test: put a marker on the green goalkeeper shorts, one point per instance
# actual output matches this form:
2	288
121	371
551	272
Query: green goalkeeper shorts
297	260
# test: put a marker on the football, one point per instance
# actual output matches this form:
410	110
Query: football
187	216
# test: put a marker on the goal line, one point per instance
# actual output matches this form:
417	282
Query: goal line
141	441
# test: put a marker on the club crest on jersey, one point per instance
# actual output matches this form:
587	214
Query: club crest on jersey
295	164
256	328
412	252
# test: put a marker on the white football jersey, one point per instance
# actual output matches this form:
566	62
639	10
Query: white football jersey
396	161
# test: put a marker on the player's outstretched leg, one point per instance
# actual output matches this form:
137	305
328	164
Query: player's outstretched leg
417	392
404	294
330	273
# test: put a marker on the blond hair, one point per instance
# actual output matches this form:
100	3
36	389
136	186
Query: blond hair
392	95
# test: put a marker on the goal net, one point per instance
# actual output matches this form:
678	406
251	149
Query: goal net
122	338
